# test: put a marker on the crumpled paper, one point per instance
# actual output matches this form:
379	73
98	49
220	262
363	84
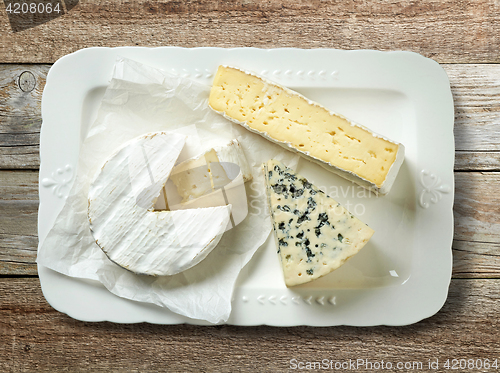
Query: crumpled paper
141	99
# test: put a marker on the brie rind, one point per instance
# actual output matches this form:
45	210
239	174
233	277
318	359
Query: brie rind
121	216
210	171
298	124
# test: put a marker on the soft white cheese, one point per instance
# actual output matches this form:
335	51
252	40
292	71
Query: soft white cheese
122	219
314	234
210	171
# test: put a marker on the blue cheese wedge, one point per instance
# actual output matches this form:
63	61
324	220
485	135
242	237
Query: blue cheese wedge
125	225
314	234
289	119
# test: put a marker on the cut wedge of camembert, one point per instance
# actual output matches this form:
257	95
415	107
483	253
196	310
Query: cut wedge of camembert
122	219
289	119
314	234
210	171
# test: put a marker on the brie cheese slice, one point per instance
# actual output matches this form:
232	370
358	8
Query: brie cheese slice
122	219
296	123
210	171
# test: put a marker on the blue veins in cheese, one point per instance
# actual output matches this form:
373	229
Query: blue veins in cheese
314	234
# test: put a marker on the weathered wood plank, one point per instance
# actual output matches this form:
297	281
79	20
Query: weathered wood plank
477	161
23	157
18	254
448	31
476	94
477	206
476	259
18	222
477	218
476	91
37	338
21	88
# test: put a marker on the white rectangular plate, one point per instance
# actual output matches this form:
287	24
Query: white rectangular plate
400	277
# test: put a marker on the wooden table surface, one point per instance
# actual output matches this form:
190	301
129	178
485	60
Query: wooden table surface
462	35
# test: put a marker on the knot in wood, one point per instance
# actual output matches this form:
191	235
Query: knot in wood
27	81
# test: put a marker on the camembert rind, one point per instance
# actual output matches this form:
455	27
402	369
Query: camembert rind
314	234
121	216
381	187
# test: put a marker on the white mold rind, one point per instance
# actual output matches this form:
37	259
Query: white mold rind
383	189
120	211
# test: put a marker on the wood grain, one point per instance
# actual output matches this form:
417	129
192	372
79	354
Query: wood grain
476	259
18	202
477	206
35	337
448	30
18	254
477	223
476	94
475	88
477	160
18	222
20	116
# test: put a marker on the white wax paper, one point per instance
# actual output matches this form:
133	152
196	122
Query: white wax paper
141	99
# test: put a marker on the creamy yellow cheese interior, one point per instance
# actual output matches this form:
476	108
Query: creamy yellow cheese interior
288	117
200	176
